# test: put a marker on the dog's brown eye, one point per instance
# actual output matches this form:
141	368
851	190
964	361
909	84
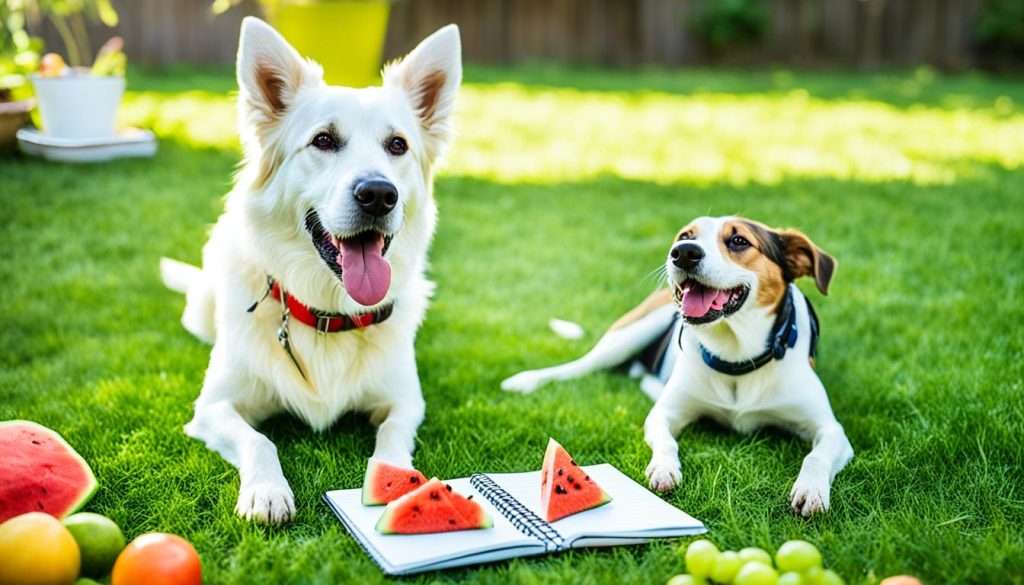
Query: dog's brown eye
397	145
738	242
325	141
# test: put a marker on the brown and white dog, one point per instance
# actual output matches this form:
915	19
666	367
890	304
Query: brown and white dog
731	338
312	285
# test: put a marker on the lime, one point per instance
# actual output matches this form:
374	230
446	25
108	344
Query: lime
700	557
755	554
797	555
725	567
99	540
814	576
755	573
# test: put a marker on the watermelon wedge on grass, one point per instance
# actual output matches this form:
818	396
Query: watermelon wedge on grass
384	482
40	472
434	507
565	489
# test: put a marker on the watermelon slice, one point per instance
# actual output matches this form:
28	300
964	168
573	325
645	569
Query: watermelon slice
40	472
565	489
432	508
384	482
471	512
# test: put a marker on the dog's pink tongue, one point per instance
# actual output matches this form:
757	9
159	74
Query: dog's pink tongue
718	303
698	299
365	272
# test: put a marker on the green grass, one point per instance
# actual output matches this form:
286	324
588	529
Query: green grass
559	200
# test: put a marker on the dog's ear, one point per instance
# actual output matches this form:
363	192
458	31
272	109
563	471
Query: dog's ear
270	74
430	76
804	258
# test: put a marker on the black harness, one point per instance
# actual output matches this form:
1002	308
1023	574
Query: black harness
783	336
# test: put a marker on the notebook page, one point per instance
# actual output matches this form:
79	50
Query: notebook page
403	554
634	514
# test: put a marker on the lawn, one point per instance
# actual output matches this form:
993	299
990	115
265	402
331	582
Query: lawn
560	199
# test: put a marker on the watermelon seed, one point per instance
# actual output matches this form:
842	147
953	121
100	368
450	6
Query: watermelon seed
577	486
449	487
451	521
571	480
573	461
35	442
413	479
469	498
560	490
560	471
434	496
389	484
415	508
587	478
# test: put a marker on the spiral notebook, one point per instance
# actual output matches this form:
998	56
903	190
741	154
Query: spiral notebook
635	515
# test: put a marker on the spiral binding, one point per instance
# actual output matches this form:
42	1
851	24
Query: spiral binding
521	517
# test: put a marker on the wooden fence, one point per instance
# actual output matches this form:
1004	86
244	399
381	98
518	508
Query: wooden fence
607	32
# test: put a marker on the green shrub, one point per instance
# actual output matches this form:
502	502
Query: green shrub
999	29
724	23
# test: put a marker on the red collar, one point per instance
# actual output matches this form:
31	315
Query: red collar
329	322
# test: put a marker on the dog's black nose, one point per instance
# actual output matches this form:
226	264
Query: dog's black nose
687	255
376	196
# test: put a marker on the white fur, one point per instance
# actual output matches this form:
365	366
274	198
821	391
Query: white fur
373	370
785	393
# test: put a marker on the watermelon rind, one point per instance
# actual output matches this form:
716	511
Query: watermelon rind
384	523
93	484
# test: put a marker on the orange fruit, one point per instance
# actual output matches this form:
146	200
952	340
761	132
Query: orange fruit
158	559
36	549
52	65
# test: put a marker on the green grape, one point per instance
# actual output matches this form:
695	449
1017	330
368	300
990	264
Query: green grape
831	578
756	573
685	580
726	565
755	554
700	557
790	578
797	555
814	576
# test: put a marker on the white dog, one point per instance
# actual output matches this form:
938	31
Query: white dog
312	285
739	349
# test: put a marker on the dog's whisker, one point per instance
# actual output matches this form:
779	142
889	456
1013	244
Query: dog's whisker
656	275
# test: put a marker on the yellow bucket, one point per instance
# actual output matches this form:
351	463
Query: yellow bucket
345	36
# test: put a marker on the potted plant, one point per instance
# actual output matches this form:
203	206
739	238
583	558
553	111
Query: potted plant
314	28
14	113
77	100
19	55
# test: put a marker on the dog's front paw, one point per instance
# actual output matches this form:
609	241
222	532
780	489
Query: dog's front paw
268	502
523	382
809	495
663	473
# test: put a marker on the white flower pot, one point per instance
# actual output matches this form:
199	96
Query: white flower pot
79	105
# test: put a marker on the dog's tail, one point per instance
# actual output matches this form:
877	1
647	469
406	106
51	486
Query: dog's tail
178	276
190	281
